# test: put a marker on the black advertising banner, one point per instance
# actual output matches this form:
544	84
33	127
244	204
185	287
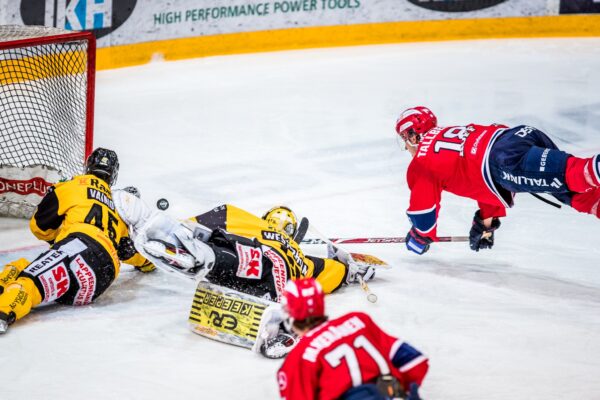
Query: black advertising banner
456	5
579	6
103	17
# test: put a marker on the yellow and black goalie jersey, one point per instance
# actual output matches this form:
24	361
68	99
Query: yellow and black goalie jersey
330	273
81	205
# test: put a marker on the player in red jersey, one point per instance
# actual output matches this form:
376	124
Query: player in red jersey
489	164
345	358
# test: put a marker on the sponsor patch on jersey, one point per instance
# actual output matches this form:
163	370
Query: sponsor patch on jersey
250	262
55	282
279	272
527	181
86	278
456	5
45	263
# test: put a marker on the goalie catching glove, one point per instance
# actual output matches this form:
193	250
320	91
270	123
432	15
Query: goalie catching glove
481	237
355	269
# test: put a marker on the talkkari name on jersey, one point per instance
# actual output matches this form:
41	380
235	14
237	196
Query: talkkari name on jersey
330	335
523	180
427	139
97	195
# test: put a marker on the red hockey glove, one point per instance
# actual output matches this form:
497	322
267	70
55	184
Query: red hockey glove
417	243
481	237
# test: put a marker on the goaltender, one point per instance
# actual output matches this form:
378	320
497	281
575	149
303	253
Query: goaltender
231	247
79	221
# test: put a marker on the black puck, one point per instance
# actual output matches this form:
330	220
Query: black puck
162	204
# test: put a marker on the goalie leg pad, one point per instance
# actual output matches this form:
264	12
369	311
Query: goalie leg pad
226	315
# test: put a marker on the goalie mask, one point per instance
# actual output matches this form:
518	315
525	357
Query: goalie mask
303	299
283	219
415	122
104	164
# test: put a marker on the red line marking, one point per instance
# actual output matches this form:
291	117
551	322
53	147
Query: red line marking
25	248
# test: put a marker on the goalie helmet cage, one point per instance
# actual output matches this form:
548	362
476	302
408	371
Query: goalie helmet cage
46	111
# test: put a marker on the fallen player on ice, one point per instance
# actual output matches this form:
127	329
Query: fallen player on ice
242	263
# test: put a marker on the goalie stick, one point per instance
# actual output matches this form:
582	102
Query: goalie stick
378	240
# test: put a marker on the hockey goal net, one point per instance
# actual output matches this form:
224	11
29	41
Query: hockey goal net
46	111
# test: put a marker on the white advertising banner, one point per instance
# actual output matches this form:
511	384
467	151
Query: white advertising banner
119	22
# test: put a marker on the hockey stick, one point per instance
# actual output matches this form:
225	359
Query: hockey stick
537	196
372	297
301	230
373	240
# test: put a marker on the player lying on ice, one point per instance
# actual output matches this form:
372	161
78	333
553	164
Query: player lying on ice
489	164
349	357
234	249
78	219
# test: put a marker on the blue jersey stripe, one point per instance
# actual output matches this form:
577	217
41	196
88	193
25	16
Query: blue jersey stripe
404	355
423	221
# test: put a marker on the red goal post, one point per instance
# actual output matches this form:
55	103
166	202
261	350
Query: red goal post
46	111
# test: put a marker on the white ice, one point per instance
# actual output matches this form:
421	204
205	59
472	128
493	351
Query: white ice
314	130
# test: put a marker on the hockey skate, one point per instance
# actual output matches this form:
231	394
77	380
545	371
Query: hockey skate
278	346
5	321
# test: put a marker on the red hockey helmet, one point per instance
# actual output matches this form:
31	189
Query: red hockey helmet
304	298
416	120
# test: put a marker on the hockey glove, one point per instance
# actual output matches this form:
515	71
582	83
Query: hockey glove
367	272
413	392
417	243
481	237
126	250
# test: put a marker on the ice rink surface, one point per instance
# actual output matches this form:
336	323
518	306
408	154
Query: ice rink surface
314	130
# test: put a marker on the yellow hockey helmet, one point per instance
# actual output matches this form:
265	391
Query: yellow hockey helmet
282	219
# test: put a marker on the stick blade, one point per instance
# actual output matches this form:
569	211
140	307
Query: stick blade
370	260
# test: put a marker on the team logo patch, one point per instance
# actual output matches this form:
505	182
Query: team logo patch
55	282
86	278
250	262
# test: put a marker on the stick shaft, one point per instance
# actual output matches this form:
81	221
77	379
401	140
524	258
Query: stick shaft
372	240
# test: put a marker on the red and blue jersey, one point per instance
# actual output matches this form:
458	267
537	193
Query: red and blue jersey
454	159
344	353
